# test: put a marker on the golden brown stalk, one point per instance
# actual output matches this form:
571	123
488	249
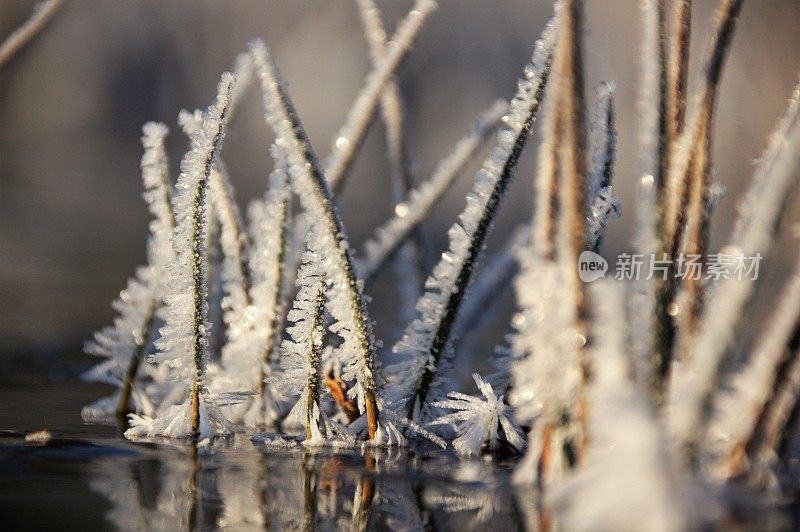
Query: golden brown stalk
687	160
677	69
560	218
688	303
698	121
568	73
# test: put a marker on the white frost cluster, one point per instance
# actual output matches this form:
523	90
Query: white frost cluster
183	345
479	421
626	482
326	236
138	303
451	274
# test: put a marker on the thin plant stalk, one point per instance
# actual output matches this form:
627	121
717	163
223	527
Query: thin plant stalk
352	133
411	270
389	238
315	358
688	197
22	36
646	309
677	69
128	380
312	187
698	120
429	337
278	301
571	214
196	172
760	214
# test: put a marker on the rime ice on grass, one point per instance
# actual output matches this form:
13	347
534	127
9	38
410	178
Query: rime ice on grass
626	482
269	220
327	237
184	338
426	342
479	421
124	343
301	357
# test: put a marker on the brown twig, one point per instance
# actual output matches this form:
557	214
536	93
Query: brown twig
22	36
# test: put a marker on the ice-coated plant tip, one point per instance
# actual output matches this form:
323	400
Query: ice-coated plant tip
326	236
426	342
620	396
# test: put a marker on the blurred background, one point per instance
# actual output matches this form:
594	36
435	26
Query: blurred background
72	223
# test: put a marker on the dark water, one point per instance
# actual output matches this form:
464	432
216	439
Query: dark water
88	477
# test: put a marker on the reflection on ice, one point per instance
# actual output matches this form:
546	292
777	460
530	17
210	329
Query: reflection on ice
237	486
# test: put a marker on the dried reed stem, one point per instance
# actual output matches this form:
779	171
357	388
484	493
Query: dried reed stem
19	38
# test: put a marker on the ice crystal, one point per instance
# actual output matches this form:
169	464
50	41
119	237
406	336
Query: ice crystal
184	338
479	421
327	237
426	342
123	344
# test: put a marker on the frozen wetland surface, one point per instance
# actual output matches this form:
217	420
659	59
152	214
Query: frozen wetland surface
89	477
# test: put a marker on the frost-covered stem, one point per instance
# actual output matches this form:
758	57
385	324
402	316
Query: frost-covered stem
277	303
760	212
571	234
647	305
19	38
315	357
197	247
484	202
698	120
223	206
123	407
352	133
158	196
744	414
693	241
677	69
776	429
604	139
687	194
230	219
495	277
388	238
391	100
312	187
